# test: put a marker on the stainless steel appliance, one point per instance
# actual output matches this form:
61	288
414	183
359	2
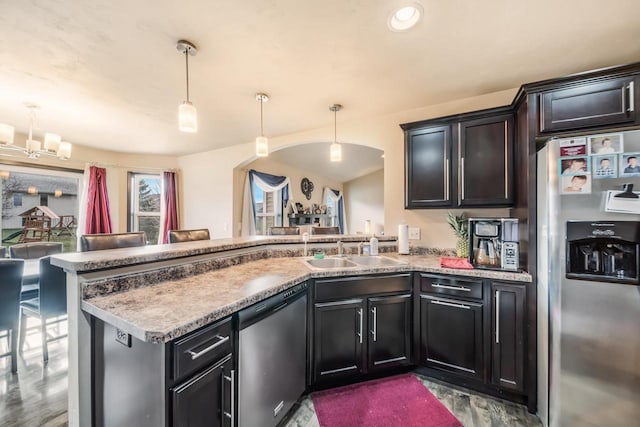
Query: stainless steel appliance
493	243
589	297
272	357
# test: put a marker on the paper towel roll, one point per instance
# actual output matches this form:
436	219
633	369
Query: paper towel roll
403	239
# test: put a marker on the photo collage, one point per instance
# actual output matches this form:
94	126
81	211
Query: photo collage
594	157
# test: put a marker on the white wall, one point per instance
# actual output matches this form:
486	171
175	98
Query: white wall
364	200
209	177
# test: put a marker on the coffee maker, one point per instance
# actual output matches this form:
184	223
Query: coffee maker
493	243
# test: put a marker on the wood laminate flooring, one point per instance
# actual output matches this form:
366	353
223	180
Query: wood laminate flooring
37	395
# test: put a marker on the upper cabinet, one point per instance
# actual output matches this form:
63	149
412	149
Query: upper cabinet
463	161
485	153
609	102
428	167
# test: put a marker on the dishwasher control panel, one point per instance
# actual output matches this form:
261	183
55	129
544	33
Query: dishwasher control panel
297	288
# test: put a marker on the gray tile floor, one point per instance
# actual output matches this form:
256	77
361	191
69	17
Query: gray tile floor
37	396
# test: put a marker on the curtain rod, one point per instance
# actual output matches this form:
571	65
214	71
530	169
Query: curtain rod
140	168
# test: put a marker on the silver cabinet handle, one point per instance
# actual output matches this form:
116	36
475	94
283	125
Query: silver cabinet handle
453	288
446	177
497	317
231	414
374	332
631	88
360	331
195	355
462	178
466	307
506	159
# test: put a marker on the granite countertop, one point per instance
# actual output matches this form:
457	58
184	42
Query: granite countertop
98	260
165	311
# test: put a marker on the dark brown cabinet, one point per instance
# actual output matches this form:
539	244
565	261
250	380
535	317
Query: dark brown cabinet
602	103
390	331
205	400
361	325
338	337
508	335
451	335
486	152
462	161
428	167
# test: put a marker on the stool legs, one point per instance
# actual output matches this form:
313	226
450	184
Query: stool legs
23	330
45	349
14	349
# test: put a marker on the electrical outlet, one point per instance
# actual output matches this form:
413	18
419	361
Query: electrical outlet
414	233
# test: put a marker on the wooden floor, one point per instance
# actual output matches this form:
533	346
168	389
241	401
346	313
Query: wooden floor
37	395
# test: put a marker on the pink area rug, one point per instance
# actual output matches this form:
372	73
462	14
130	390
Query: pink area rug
400	401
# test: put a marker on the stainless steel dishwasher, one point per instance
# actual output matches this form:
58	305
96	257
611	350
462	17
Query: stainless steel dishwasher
272	357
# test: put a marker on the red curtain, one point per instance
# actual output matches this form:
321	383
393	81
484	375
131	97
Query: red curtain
98	215
171	205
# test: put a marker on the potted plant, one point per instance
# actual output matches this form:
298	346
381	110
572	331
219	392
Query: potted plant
460	226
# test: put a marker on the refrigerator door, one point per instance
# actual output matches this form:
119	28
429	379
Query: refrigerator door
594	327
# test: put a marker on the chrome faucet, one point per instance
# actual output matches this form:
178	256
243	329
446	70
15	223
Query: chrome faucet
340	248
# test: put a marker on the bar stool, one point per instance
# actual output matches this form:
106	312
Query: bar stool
10	287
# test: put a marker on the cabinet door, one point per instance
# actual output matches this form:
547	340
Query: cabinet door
486	161
339	334
390	322
507	326
451	335
428	167
603	103
206	399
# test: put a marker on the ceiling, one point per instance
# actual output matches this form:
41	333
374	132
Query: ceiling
358	160
106	72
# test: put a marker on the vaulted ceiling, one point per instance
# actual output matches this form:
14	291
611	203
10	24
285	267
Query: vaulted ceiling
106	72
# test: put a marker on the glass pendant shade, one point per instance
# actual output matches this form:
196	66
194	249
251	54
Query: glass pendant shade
6	134
335	152
5	174
187	117
52	141
57	193
64	150
262	146
32	190
33	146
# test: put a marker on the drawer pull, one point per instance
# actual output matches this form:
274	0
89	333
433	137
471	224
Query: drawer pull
466	307
453	288
195	355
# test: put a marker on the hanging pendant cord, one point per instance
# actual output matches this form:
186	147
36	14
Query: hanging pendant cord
186	56
261	130
335	126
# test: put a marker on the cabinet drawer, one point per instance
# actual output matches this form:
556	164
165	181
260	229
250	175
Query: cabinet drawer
201	348
348	287
451	286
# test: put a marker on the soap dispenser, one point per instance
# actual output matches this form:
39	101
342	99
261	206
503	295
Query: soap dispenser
373	243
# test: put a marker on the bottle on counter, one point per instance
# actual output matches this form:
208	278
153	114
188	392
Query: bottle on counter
373	243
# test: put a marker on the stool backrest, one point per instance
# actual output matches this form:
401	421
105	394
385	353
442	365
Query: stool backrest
35	250
53	289
177	236
284	231
99	242
325	230
10	287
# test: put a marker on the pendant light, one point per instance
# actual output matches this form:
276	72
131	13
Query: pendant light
335	151
262	143
187	114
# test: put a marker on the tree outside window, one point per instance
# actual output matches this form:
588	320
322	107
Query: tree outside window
145	194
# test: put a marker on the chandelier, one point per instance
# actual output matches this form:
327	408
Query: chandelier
53	145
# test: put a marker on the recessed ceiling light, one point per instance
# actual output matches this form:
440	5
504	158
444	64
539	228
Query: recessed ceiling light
405	17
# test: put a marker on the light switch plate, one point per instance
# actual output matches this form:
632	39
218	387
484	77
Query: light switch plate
414	233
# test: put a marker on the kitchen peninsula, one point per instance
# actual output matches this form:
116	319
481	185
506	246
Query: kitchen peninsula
155	295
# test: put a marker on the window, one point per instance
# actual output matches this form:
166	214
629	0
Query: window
268	206
145	194
44	200
17	200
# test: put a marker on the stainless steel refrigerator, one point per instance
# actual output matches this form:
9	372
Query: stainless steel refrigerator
589	322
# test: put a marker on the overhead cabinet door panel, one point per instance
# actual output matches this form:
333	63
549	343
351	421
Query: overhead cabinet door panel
428	163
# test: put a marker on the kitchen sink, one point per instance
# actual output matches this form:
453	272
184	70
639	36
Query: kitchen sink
374	261
330	263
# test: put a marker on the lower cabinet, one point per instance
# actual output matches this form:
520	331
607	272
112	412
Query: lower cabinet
508	335
206	399
451	335
363	333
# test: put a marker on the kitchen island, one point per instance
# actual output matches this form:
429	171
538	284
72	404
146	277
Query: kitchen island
157	294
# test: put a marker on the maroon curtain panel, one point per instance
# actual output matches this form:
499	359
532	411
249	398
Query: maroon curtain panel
98	214
171	205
